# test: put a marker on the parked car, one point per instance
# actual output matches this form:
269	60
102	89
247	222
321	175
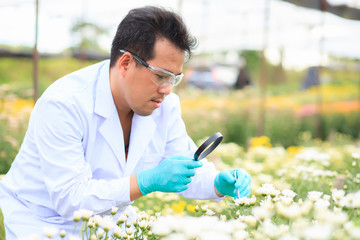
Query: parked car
215	77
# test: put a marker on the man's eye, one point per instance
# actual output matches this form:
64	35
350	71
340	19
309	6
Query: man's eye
161	77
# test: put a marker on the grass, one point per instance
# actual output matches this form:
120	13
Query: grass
18	72
2	228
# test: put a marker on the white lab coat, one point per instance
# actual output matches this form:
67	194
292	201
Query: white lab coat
73	157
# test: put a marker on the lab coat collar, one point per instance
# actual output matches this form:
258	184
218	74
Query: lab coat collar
142	129
109	127
104	102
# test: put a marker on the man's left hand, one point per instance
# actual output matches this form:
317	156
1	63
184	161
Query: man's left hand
226	184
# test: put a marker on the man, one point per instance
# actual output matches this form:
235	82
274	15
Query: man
110	133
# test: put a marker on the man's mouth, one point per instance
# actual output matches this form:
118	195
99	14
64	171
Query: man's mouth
157	102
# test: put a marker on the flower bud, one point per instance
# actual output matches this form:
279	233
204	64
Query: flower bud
197	208
62	233
114	210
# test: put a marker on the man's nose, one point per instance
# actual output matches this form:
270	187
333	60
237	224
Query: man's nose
165	89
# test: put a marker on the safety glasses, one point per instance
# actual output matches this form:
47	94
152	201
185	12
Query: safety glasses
163	77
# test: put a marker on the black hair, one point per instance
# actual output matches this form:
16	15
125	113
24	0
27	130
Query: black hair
140	28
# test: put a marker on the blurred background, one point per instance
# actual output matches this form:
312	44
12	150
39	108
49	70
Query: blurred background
285	69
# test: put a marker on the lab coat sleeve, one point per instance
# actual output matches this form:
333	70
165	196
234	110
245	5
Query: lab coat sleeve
59	128
179	143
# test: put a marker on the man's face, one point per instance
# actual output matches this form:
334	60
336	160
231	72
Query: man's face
140	92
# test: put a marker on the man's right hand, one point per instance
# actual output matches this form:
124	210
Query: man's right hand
173	174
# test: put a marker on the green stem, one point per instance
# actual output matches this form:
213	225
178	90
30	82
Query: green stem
75	225
83	229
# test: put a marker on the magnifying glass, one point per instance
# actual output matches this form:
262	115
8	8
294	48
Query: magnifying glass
208	146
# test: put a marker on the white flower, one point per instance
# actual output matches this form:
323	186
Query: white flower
114	210
100	233
354	233
107	223
288	193
214	235
314	195
86	214
240	235
77	216
283	229
142	215
130	230
326	197
122	219
245	201
267	203
318	232
290	212
261	213
322	204
288	236
176	236
98	220
356	200
269	229
204	208
277	198
286	200
355	156
210	212
337	194
223	218
339	218
352	230
250	220
153	218
237	225
240	201
143	224
252	200
349	226
306	207
268	189
117	232
161	228
62	233
50	232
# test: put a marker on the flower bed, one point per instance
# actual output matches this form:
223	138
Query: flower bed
297	193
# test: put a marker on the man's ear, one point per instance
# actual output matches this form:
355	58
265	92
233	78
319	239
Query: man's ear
124	62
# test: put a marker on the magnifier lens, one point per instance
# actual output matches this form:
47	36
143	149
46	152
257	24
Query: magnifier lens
208	146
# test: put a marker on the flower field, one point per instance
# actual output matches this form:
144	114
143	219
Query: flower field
236	114
297	193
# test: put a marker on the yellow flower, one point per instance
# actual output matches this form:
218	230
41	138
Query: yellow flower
191	208
262	141
294	149
179	207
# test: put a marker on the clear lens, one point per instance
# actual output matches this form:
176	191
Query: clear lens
164	78
177	79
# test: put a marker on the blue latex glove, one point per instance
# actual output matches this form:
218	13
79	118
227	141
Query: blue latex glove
226	185
173	174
